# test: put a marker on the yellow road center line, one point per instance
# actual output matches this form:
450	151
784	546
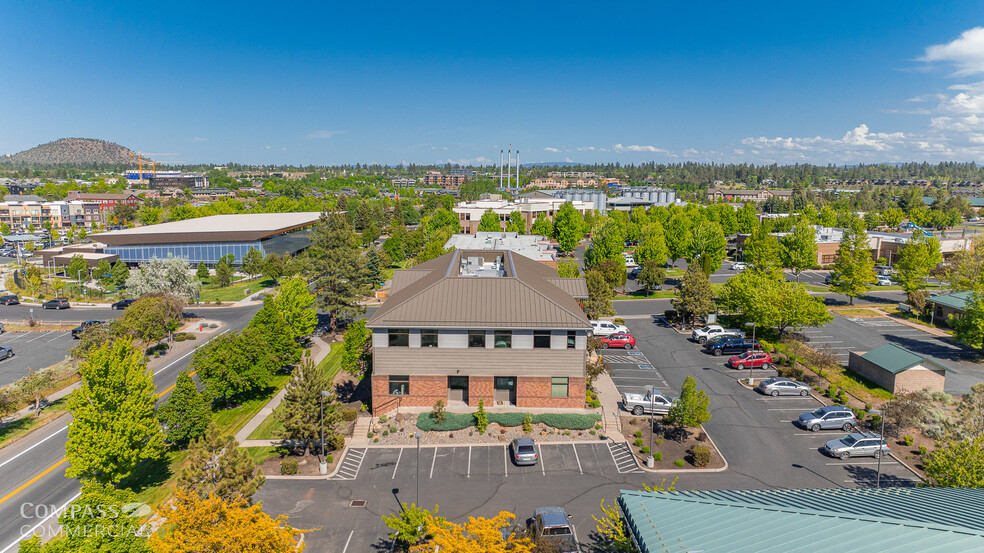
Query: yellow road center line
31	481
59	463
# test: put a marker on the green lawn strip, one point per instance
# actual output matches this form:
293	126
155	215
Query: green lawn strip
654	295
232	420
855	312
259	454
815	287
856	385
21	427
460	421
235	291
332	363
894	311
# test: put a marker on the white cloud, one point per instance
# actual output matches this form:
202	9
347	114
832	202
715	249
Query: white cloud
966	52
548	149
199	139
586	148
568	160
284	148
316	135
480	160
639	148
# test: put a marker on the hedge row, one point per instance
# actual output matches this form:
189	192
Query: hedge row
460	421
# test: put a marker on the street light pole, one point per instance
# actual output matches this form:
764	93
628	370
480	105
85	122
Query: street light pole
418	435
750	364
323	464
881	438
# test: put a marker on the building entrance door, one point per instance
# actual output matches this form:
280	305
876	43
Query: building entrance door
458	388
505	390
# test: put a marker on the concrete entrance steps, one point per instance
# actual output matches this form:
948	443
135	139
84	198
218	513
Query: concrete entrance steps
360	434
609	397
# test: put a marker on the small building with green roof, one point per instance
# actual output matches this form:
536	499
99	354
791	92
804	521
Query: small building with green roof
858	520
946	306
898	370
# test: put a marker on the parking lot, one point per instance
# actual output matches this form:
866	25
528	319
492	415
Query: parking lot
445	463
844	335
36	350
634	373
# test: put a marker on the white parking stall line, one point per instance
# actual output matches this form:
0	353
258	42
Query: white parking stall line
349	540
468	474
505	459
578	458
16	337
543	467
786	409
433	461
41	336
398	457
57	337
812	337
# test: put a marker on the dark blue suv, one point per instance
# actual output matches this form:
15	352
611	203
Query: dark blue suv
730	344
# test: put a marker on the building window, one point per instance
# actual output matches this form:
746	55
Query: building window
571	339
558	386
399	385
428	338
541	339
503	339
399	337
476	338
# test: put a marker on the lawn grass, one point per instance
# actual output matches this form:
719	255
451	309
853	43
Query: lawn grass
14	430
232	420
235	291
856	385
855	312
640	295
815	287
332	363
894	311
259	454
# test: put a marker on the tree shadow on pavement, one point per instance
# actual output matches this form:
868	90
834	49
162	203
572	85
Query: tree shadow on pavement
867	477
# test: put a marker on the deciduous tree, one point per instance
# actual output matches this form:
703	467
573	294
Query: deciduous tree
798	249
410	524
677	236
652	246
691	410
854	266
478	535
957	464
489	222
168	276
568	268
762	250
150	318
234	363
34	385
186	414
599	303
916	259
114	424
568	227
542	226
696	298
297	304
357	355
651	275
707	247
193	524
77	269
253	262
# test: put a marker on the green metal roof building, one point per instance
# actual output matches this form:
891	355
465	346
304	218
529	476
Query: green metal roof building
945	305
841	520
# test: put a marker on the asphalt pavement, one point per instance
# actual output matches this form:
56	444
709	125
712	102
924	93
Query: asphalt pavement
33	483
36	350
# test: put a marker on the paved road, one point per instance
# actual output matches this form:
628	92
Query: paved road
30	469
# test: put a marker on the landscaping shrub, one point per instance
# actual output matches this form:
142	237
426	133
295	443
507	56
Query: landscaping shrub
350	414
157	349
619	321
658	456
908	440
481	418
638	434
330	459
922	450
508	419
766	346
638	442
288	466
528	423
335	442
182	336
679	463
453	421
702	456
438	413
382	419
644	449
571	421
670	315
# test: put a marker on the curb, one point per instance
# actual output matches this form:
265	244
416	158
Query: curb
741	382
910	469
478	444
685	471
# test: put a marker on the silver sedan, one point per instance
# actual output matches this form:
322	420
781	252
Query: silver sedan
781	386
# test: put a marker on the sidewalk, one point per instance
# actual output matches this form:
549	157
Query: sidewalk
927	329
319	350
609	397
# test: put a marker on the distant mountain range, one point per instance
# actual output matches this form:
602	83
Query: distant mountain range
85	153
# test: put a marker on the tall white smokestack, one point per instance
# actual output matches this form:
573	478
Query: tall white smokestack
509	166
517	169
500	166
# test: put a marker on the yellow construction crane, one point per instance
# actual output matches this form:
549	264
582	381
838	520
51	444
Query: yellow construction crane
153	164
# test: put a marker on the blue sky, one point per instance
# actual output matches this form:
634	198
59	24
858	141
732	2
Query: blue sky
347	82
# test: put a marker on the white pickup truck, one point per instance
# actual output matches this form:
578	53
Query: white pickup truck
653	401
701	335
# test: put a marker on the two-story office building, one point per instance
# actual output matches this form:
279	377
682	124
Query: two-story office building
480	324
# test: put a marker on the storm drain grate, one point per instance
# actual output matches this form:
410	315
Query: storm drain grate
357	503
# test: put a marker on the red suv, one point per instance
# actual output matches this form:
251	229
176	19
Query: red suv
618	340
751	359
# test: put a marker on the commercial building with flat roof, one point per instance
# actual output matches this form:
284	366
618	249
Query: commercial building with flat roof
210	238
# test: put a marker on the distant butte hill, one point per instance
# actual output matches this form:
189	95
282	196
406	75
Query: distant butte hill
84	153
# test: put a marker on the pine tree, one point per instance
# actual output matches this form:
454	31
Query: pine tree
374	274
599	303
186	413
301	409
120	273
114	426
218	466
337	268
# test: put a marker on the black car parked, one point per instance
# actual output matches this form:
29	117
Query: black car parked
9	299
77	331
730	344
56	303
123	304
